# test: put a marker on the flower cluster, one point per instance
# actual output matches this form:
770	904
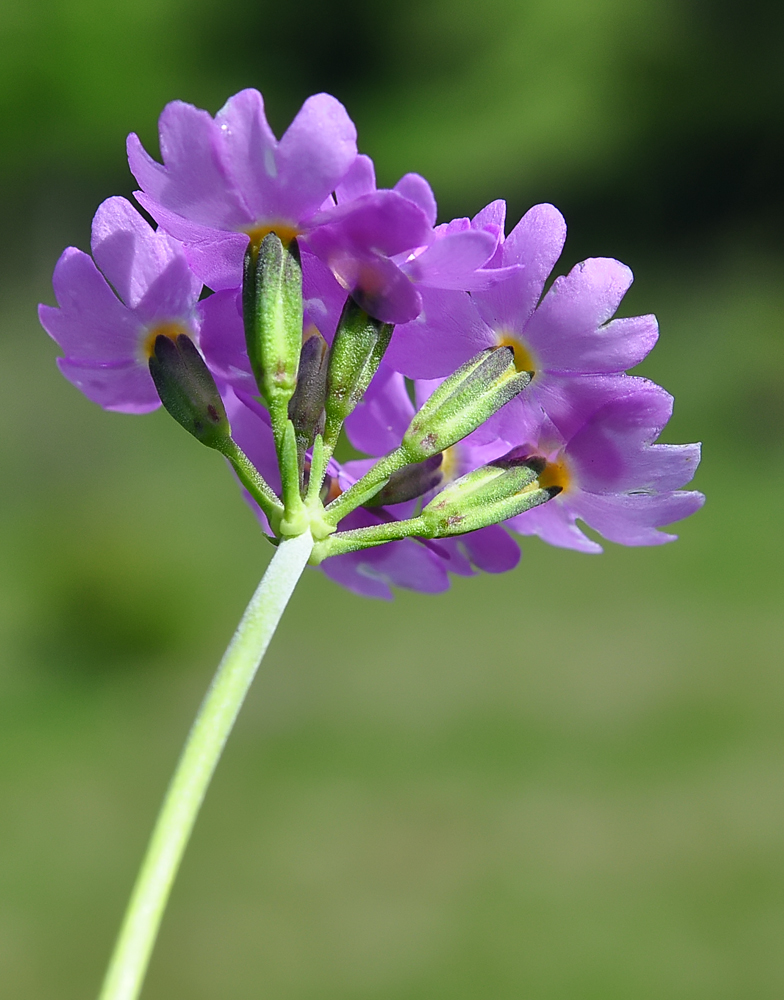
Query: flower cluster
284	298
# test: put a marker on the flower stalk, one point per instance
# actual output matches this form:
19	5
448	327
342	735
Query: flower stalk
197	764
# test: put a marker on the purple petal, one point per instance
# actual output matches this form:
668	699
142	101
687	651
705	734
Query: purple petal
360	180
493	214
247	146
357	575
491	549
214	256
170	296
91	325
633	520
315	153
377	285
353	470
416	189
535	243
447	332
133	258
613	348
126	387
570	401
555	524
382	417
193	183
452	261
323	297
456	560
218	262
383	222
222	340
614	451
371	572
573	311
182	229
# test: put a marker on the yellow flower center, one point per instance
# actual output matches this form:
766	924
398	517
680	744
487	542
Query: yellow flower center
523	358
169	329
449	463
554	474
285	231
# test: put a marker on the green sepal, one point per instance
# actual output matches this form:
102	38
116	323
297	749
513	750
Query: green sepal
464	401
295	519
488	495
356	353
272	314
187	389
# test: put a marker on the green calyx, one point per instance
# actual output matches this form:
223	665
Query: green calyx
272	312
488	495
356	353
464	401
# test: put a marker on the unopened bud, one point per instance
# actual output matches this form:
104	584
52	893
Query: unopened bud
306	406
464	401
272	311
357	350
409	482
188	390
488	495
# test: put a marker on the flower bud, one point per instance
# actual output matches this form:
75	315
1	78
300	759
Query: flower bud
497	491
409	482
188	390
306	406
464	401
357	350
272	311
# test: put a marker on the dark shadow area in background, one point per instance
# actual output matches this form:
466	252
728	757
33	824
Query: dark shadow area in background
707	159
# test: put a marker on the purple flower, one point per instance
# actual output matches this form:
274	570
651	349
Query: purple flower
108	319
567	336
227	179
613	476
394	285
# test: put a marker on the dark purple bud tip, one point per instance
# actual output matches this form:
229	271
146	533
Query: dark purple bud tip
187	389
410	482
306	406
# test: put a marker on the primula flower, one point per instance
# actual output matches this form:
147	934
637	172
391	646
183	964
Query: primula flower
453	256
227	180
108	319
613	476
565	337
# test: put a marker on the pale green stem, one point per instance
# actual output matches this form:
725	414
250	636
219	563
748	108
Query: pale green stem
196	766
365	538
253	481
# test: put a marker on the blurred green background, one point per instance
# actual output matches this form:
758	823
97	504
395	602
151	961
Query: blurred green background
565	782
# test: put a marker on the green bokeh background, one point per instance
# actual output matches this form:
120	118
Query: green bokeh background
564	782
